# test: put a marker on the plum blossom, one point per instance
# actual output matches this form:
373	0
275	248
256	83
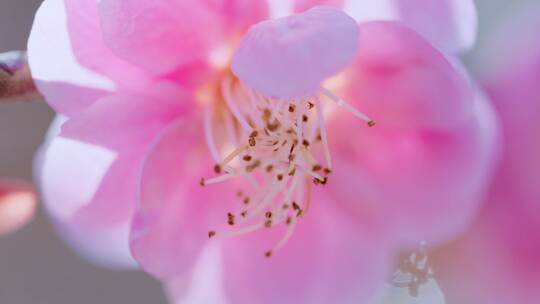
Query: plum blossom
279	160
17	205
500	252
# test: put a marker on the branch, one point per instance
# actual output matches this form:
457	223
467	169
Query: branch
16	82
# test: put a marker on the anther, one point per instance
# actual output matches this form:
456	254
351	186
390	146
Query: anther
230	219
310	105
246	201
305	142
268	254
327	171
295	206
202	182
243	213
324	181
247	158
217	169
289	220
269	168
371	123
317	168
268	224
211	234
292	172
292	108
252	141
266	114
268	215
279	177
305	118
316	181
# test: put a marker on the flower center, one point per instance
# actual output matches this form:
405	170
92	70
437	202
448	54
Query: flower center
279	147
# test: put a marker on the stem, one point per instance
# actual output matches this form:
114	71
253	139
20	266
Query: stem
16	82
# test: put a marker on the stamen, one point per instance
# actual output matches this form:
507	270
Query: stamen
209	133
342	103
280	137
324	135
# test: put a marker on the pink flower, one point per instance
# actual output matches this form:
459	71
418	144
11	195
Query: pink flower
302	202
17	205
500	252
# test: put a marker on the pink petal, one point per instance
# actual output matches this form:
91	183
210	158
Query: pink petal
420	173
451	25
511	79
67	86
69	174
401	80
329	259
86	38
501	255
502	249
182	32
290	57
126	119
420	185
174	213
18	204
303	5
120	127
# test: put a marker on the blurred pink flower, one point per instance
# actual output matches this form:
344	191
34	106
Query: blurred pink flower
496	262
157	93
17	205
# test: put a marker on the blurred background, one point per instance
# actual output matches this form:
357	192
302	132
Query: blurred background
36	267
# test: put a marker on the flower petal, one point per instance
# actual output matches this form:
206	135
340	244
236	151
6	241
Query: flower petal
174	212
18	204
182	32
420	185
86	38
329	259
401	80
67	86
126	119
70	176
291	56
501	253
451	25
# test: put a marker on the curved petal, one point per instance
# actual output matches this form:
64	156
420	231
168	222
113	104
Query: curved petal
311	47
329	259
420	185
126	119
451	25
501	253
401	80
89	48
18	204
182	32
174	213
69	174
67	86
511	80
202	286
502	249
